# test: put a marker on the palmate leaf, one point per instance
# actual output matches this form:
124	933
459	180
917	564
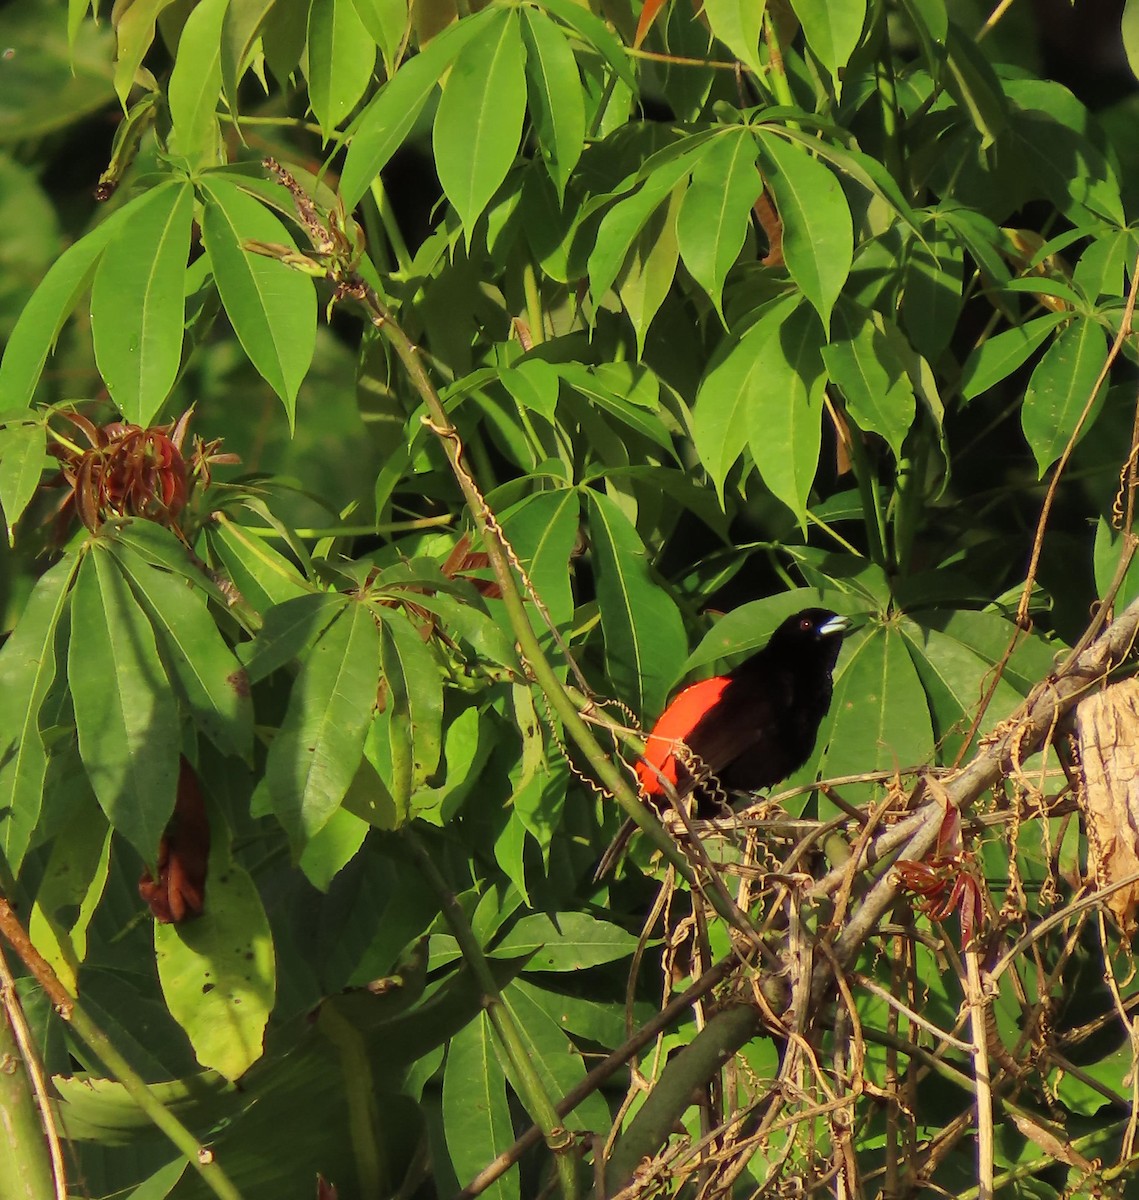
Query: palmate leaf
649	269
405	652
195	83
272	309
137	303
125	715
644	635
737	24
478	126
543	529
261	574
879	718
832	30
313	759
569	941
27	669
997	357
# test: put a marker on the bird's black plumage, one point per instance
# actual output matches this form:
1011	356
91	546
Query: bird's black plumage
748	729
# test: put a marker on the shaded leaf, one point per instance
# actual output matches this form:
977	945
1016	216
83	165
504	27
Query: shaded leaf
1060	387
314	757
27	669
476	1116
569	941
125	716
22	460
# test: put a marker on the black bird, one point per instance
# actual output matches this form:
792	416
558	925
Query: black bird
745	730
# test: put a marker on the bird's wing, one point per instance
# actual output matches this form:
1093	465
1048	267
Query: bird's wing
675	726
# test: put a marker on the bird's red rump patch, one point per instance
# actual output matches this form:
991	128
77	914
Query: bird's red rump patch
675	724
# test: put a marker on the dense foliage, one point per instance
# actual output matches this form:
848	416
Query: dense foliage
379	452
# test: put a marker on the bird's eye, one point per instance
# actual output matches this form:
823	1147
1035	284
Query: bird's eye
806	625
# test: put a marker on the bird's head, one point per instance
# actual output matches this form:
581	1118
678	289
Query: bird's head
813	633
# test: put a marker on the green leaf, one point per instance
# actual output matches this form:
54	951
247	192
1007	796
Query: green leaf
218	972
622	224
404	650
479	122
69	892
386	22
860	360
997	357
818	236
598	35
644	635
261	574
272	308
158	546
737	24
129	735
716	213
973	83
569	941
137	303
240	30
476	1115
932	289
213	682
1060	387
1129	28
42	318
22	460
27	669
195	84
649	270
289	629
727	391
543	530
390	117
134	33
784	413
879	717
832	30
341	57
554	1057
557	107
314	757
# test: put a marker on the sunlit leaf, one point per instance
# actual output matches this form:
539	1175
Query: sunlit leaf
273	309
137	304
341	56
218	972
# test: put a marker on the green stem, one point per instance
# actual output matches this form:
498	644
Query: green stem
776	70
25	1167
538	1101
534	314
391	225
867	488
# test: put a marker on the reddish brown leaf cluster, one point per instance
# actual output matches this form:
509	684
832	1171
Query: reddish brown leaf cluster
179	892
947	881
462	560
126	470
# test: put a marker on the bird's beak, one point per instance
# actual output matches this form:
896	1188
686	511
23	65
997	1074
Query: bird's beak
839	625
